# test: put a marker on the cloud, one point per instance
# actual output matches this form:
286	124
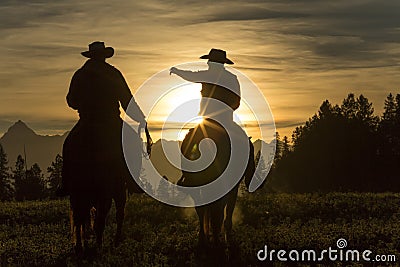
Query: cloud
252	13
351	31
299	50
288	123
258	69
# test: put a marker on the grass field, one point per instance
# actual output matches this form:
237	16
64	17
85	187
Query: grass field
37	233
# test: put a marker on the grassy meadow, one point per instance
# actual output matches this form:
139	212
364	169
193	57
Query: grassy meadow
36	233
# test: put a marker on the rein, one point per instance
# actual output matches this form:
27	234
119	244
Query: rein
149	144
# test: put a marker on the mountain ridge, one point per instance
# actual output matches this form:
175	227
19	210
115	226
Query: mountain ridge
42	149
20	139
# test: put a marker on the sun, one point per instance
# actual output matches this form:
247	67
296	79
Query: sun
182	104
177	111
181	134
185	129
183	94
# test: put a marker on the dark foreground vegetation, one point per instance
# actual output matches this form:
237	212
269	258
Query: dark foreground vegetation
36	233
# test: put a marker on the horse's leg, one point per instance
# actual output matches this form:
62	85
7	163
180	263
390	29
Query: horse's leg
78	244
82	222
102	209
201	214
207	222
72	226
92	219
77	225
230	207
86	233
217	218
120	202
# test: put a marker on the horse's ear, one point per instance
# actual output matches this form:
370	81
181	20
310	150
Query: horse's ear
186	146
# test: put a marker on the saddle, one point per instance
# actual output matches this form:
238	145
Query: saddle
190	150
94	159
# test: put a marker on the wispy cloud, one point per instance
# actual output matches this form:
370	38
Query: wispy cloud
297	51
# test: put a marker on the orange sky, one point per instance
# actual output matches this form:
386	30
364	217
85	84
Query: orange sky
298	52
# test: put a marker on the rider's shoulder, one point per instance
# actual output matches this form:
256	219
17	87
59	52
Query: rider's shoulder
112	67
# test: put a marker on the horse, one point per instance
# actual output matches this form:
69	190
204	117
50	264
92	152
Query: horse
95	173
211	216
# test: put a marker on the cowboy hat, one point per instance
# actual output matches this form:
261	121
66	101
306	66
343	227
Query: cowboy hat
217	55
98	49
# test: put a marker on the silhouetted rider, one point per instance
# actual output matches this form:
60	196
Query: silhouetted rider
216	83
96	91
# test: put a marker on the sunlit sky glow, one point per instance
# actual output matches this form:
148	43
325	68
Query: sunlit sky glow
298	52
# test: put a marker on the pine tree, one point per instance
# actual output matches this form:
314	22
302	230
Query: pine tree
349	107
390	127
325	111
261	168
389	113
29	184
397	117
19	175
396	130
35	183
387	125
144	183
389	143
163	189
365	113
5	183
55	172
296	135
285	146
278	148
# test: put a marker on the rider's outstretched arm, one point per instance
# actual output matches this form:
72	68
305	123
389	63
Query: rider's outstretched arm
191	76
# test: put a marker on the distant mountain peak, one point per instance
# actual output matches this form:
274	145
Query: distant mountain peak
20	140
21	128
20	123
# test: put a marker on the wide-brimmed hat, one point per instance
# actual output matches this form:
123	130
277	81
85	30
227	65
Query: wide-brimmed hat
217	55
98	49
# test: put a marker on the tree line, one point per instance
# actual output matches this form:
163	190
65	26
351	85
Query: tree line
23	183
342	148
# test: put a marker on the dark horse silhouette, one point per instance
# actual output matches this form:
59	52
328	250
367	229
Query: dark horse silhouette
97	175
211	216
